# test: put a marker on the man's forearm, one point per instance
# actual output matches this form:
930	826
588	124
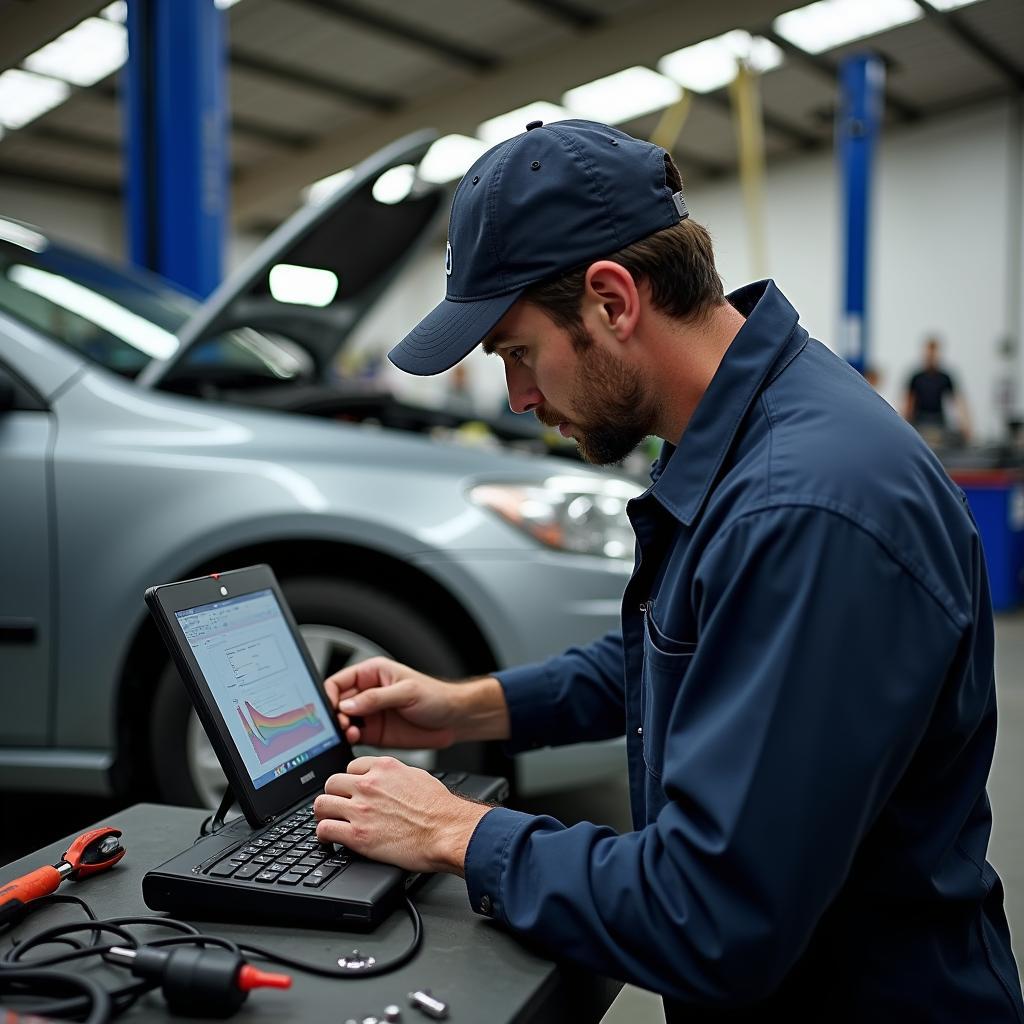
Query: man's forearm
481	711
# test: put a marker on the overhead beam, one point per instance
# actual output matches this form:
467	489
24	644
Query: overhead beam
830	70
687	158
956	26
635	37
289	138
35	176
436	45
72	137
794	133
291	75
271	133
26	32
565	12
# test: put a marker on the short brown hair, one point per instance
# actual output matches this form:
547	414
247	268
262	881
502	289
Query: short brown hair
678	263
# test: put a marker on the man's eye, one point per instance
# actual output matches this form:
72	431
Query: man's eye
516	355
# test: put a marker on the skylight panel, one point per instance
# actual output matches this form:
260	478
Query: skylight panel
711	64
504	126
117	11
84	54
830	23
623	96
25	96
450	157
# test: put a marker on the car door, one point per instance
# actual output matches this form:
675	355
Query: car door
26	435
309	284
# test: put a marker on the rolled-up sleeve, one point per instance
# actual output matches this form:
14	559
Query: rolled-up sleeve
819	658
572	698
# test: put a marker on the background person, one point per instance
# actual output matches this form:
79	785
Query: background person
924	404
804	673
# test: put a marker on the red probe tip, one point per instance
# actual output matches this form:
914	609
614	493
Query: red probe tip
250	977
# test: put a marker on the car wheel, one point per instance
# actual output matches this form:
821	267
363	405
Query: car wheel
341	623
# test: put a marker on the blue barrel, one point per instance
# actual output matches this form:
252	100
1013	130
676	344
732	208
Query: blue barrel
996	497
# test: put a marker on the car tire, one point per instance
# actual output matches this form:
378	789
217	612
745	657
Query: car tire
336	618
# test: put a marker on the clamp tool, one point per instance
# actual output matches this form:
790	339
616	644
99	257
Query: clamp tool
89	854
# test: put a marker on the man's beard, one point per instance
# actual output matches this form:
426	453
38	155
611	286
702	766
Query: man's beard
613	411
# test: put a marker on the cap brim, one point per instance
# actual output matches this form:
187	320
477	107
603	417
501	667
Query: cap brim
449	333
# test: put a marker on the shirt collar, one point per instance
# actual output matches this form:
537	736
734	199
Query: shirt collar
684	473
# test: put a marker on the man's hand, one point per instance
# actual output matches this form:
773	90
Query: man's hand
398	814
400	707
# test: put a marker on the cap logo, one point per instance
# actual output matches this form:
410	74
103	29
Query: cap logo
448	259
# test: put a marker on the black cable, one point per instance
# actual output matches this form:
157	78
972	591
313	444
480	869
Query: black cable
18	975
32	982
342	972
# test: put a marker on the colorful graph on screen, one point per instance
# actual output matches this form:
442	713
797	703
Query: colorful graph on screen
272	735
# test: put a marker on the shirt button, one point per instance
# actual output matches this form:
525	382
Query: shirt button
485	904
640	731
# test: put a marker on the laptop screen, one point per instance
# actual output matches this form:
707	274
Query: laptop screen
260	682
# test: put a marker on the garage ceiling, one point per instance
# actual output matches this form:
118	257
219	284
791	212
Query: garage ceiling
316	85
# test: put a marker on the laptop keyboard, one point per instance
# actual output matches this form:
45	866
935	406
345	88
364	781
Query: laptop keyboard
287	853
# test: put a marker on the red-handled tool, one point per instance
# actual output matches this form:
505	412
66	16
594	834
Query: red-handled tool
89	854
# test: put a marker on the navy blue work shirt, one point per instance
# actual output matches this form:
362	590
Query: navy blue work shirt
805	680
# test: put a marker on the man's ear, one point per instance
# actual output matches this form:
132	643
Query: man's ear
611	295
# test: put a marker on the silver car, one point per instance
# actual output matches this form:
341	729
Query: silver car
128	458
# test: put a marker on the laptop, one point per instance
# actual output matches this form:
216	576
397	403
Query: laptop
256	692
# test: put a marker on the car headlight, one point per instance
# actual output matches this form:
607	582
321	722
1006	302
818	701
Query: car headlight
583	514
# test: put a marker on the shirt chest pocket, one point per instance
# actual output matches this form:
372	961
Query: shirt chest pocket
666	662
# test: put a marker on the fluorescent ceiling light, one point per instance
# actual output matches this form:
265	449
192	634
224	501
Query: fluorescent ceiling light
830	23
394	184
11	231
622	96
951	5
504	126
24	96
225	4
304	286
131	328
84	54
117	11
325	187
450	157
711	64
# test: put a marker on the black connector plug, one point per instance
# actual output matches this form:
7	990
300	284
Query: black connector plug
197	982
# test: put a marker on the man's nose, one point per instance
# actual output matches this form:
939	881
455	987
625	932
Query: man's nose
523	394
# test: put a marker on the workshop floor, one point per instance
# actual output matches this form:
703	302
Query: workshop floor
611	805
30	821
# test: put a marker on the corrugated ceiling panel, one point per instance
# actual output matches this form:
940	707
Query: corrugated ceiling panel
1001	24
503	28
798	94
247	151
24	153
89	113
260	98
341	47
932	68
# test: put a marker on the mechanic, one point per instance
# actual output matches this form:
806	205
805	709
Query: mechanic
804	672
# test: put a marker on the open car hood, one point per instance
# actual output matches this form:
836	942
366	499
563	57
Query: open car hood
358	239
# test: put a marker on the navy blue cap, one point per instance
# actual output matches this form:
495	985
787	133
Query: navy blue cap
530	208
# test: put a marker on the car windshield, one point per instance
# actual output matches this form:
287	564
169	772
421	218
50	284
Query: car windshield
118	318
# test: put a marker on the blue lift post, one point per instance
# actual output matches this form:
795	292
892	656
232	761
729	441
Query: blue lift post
858	118
176	160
